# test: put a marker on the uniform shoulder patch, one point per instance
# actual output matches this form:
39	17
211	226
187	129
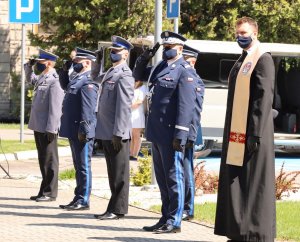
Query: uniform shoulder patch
186	65
125	68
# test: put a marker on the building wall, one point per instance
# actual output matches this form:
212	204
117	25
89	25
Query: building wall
10	56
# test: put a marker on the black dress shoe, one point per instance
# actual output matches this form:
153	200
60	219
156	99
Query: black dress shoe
45	199
64	206
186	217
34	197
153	227
168	228
97	216
110	216
77	206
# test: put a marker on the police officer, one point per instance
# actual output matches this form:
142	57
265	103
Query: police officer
78	124
114	127
45	120
172	104
195	134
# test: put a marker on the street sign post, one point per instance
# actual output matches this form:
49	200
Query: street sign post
23	12
173	12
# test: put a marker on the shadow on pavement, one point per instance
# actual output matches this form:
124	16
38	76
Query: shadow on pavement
84	226
131	239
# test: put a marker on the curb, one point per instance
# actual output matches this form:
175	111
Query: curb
32	154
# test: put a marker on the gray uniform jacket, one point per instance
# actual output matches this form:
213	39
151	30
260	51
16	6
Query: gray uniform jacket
114	108
46	107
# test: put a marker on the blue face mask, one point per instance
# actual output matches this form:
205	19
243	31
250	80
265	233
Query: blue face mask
77	67
169	53
114	57
39	68
244	42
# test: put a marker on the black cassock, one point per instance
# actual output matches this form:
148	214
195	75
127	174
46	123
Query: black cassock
246	194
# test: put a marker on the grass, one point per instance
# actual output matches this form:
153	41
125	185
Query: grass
288	219
12	126
67	174
11	146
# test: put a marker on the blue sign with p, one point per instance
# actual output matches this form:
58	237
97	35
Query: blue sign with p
24	11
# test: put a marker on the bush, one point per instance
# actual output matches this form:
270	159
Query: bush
143	174
203	181
285	183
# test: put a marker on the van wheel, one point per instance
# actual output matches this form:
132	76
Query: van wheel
208	144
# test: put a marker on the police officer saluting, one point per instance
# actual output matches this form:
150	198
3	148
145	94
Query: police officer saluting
194	138
114	127
45	120
173	87
78	124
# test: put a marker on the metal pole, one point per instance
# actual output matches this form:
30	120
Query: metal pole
22	86
157	58
176	25
158	29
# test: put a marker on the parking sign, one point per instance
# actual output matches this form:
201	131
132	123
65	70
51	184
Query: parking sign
173	8
24	11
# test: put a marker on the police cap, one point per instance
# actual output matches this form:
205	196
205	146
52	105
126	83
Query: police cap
120	43
189	51
85	54
45	55
172	38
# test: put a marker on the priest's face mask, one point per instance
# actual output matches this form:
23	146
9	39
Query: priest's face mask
246	35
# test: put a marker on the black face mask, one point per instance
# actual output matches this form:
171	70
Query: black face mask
244	42
39	68
77	67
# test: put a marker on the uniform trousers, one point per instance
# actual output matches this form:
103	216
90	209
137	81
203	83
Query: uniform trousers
118	175
189	181
168	166
81	154
48	162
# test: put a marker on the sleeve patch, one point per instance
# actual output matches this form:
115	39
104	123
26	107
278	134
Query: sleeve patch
190	79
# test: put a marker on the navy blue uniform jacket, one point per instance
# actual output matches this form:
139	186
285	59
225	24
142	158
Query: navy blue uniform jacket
79	107
173	96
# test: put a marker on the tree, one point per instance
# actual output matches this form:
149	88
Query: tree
83	23
279	21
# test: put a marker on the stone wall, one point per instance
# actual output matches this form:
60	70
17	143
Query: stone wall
10	56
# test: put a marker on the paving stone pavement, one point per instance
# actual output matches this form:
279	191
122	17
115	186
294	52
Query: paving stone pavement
24	220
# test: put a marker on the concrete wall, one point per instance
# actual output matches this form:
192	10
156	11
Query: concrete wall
10	55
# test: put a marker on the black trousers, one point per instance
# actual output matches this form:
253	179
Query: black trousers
48	161
118	175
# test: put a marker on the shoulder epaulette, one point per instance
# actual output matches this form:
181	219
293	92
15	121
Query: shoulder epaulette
125	68
186	65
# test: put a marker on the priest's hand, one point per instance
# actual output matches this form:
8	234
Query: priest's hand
252	143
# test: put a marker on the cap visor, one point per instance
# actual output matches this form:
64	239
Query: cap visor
116	48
